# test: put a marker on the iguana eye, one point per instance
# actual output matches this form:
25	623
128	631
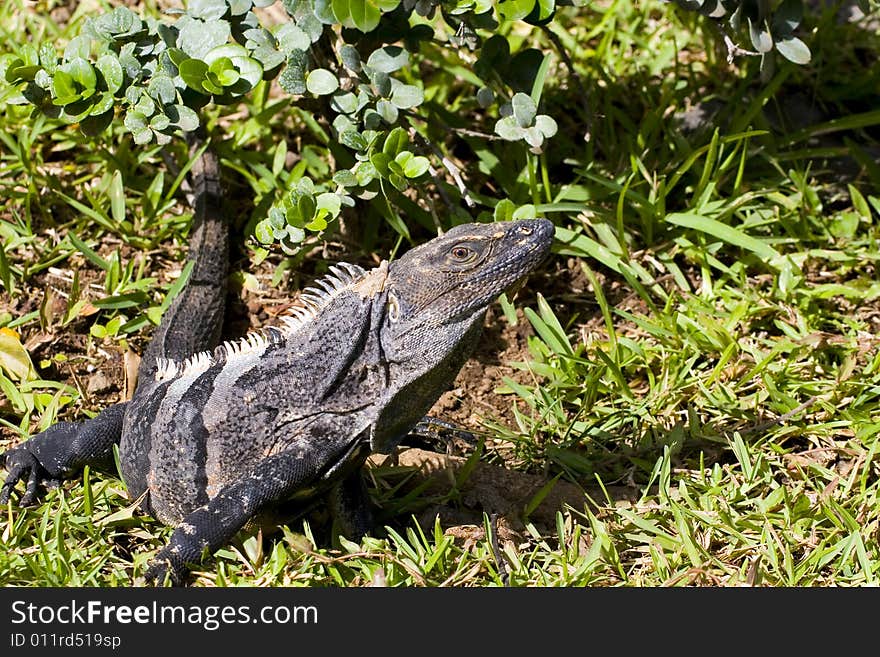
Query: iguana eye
462	254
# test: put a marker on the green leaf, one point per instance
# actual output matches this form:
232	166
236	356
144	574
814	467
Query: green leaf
250	72
514	10
293	78
196	38
117	25
94	124
387	111
366	173
788	16
388	59
380	161
192	72
88	252
382	82
241	7
177	56
504	210
161	89
31	57
398	181
508	128
344	102
724	233
263	232
345	178
14	358
48	57
79	47
323	12
533	137
103	103
364	14
351	59
18	71
135	120
142	136
413	166
233	70
760	36
145	106
330	202
321	82
63	86
844	225
546	124
526	211
794	50
160	122
225	51
305	207
182	116
226	73
395	143
353	140
291	37
524	109
317	224
82	73
208	10
111	71
541	13
269	58
406	96
522	69
372	119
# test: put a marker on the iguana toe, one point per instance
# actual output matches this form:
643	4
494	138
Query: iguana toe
164	566
21	464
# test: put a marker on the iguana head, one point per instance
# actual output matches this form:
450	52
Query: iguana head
433	300
454	276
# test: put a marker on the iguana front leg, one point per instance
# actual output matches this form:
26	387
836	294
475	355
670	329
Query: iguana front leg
440	436
61	451
349	503
213	525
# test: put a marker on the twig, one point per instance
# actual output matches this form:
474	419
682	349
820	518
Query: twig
496	550
475	133
734	50
785	417
446	199
453	170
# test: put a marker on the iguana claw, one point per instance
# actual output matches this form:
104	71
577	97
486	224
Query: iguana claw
162	565
20	463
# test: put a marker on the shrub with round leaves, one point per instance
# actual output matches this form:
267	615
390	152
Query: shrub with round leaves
357	62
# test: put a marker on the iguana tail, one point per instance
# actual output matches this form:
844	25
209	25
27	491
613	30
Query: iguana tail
192	323
194	320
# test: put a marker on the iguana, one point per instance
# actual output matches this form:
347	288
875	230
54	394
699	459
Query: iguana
214	434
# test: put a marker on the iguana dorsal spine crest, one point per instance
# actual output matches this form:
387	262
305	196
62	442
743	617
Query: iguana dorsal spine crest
312	301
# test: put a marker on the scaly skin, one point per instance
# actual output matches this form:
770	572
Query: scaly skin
294	411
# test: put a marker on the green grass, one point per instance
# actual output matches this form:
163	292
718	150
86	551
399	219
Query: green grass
705	356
